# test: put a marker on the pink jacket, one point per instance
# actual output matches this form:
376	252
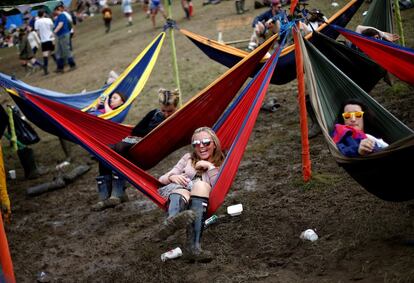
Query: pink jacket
184	166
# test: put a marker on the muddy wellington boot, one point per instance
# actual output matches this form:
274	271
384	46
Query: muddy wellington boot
27	159
118	194
178	217
104	190
199	206
239	8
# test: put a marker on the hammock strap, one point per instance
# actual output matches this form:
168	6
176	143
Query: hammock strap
306	164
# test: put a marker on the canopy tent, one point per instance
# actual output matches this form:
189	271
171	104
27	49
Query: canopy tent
130	83
233	129
14	15
384	173
394	58
48	6
285	70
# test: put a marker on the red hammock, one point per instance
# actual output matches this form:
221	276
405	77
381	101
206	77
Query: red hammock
396	59
94	134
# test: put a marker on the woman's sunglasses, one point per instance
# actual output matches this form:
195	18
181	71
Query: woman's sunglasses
356	114
205	142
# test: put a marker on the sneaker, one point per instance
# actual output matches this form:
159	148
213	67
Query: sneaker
59	71
175	223
72	68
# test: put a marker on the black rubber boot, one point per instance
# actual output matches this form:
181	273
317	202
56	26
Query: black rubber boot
314	129
178	217
242	6
27	159
104	190
118	192
239	8
187	13
199	206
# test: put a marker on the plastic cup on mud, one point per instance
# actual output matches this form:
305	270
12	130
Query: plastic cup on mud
234	210
12	174
171	254
309	234
62	165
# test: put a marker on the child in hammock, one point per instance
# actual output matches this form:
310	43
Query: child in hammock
350	137
188	186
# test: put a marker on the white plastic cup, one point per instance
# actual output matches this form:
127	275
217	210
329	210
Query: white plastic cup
12	174
171	254
234	210
62	165
309	235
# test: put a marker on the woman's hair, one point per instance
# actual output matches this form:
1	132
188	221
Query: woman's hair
369	125
122	98
371	32
218	155
166	97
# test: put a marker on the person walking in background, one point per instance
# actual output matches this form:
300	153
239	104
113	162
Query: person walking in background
44	28
188	8
34	42
127	10
155	6
62	30
25	52
107	17
72	22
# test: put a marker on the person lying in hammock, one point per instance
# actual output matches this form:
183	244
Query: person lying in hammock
108	103
314	19
350	137
111	187
188	186
376	33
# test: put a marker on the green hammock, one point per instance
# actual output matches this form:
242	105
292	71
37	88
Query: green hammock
384	173
379	15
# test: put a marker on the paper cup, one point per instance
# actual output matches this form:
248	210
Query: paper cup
12	174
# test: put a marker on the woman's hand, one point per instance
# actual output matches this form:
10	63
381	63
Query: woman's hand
366	146
179	179
390	36
204	165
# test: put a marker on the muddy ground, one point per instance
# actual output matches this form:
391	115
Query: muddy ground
361	238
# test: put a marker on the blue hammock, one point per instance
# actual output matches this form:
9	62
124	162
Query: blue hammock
130	83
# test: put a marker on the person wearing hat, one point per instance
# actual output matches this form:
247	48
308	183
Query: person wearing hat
62	28
314	19
266	24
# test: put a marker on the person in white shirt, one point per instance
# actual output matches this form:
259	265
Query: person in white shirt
44	27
